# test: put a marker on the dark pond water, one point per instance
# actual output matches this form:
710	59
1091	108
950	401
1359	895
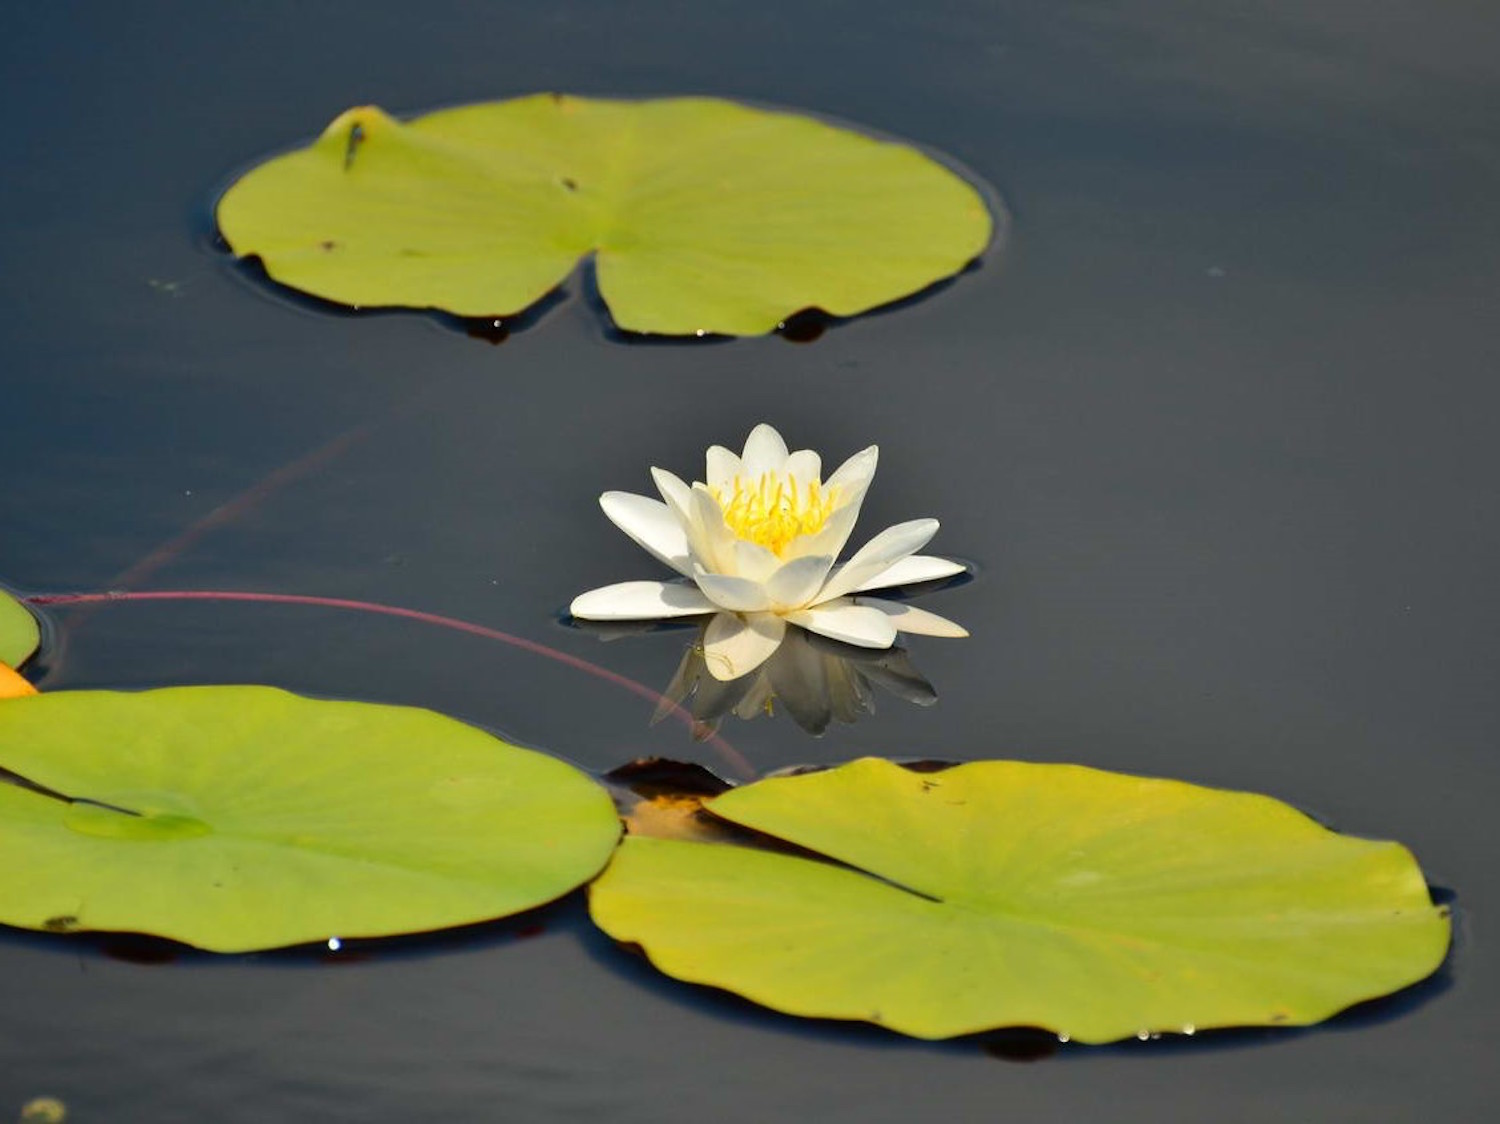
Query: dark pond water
1217	428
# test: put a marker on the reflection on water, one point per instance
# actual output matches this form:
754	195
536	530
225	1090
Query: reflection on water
813	679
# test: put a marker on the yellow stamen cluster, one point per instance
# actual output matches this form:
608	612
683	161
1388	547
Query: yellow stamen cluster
773	510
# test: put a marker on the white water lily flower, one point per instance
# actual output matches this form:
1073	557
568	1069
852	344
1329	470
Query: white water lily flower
760	541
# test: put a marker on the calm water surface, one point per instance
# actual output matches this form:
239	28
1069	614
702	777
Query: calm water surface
1217	427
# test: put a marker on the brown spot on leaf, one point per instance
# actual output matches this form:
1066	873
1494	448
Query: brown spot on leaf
356	138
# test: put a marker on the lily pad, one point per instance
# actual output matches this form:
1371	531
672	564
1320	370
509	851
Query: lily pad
703	215
19	635
238	818
997	893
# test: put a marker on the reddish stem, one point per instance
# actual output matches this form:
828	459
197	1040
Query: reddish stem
732	757
227	512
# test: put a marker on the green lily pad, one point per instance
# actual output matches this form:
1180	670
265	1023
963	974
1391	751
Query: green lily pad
702	215
1095	905
239	818
19	635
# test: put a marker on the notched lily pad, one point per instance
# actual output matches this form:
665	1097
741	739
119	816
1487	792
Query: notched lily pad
998	893
239	818
19	634
703	215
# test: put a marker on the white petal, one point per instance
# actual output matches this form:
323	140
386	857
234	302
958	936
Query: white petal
735	646
640	601
711	540
680	502
829	539
854	475
879	555
675	491
652	525
850	483
914	569
765	451
795	583
753	561
846	621
908	618
805	467
727	591
723	466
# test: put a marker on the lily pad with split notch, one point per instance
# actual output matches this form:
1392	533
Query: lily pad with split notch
1095	905
241	818
703	216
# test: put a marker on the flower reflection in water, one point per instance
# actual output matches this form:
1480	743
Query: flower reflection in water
811	678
